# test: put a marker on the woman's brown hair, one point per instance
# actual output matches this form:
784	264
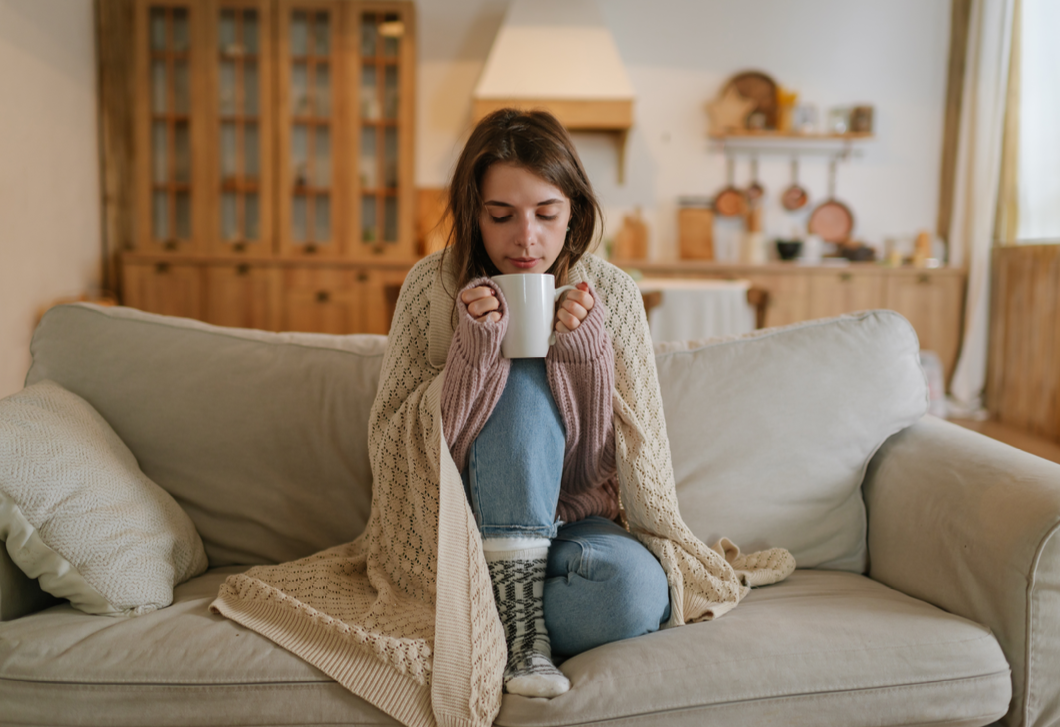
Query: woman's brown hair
537	142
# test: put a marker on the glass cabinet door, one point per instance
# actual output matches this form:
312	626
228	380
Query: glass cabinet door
170	124
309	63
384	111
241	163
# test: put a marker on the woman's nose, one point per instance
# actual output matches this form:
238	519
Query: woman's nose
526	229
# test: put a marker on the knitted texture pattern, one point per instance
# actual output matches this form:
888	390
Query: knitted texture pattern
518	589
475	374
404	616
78	514
580	370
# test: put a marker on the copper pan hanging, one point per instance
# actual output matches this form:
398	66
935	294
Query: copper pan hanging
831	220
731	201
795	196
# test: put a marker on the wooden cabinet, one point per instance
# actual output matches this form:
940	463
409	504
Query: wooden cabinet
933	304
242	295
788	297
169	288
276	132
241	122
835	293
932	299
323	300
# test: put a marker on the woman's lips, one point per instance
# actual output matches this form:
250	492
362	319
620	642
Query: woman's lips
523	263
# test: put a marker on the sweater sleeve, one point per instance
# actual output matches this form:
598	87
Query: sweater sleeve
475	375
581	374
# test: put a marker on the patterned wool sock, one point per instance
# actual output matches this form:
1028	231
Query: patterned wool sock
517	570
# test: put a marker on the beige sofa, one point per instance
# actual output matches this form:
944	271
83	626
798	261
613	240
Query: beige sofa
928	591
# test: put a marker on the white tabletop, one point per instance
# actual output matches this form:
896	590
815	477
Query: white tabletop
693	309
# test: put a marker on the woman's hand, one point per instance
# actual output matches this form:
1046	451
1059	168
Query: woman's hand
482	303
573	309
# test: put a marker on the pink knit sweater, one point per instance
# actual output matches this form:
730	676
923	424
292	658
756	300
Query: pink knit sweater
581	375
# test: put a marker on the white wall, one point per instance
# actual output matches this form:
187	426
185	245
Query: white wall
49	171
678	54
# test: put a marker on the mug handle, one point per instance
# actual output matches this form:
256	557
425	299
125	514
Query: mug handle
555	299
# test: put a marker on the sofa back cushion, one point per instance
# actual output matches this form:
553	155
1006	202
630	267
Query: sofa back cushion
771	433
261	437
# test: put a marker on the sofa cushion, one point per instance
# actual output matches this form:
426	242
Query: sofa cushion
179	666
77	513
261	437
820	648
771	433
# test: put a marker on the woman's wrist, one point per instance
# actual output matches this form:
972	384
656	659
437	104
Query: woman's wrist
587	342
477	340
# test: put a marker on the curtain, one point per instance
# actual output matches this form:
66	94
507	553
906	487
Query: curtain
979	164
1038	173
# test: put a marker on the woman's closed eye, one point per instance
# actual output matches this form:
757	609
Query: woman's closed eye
505	218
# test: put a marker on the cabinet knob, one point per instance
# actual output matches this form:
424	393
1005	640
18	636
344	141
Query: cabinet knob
923	279
242	269
362	276
239	247
845	277
161	268
170	245
323	296
310	248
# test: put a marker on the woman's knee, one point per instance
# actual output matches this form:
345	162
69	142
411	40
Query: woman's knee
603	588
638	583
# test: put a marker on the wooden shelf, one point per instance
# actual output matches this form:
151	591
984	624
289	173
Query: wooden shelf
841	146
789	135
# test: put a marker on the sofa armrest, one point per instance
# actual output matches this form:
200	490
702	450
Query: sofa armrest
20	595
969	524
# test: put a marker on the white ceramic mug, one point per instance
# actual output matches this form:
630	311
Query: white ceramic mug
531	300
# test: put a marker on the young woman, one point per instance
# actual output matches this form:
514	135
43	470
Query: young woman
537	490
534	438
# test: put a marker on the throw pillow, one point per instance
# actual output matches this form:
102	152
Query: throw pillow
77	513
771	432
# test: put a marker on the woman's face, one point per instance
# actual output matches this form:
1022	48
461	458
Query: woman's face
523	220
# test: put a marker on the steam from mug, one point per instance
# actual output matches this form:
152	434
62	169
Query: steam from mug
531	300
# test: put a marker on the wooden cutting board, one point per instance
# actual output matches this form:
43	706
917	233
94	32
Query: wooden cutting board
695	233
631	242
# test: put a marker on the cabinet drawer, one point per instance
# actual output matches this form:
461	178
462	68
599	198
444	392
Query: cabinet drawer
844	291
243	296
321	300
172	289
933	304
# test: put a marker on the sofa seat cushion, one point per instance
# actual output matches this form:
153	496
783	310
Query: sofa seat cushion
178	666
821	648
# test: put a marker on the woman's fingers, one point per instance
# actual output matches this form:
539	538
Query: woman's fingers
566	321
472	294
574	308
480	301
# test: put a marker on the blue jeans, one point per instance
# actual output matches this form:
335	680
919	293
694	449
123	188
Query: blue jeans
601	584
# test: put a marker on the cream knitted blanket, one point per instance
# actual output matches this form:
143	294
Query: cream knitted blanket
404	615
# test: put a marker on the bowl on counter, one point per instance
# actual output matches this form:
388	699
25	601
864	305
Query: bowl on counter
789	249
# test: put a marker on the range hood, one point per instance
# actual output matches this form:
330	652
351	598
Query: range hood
558	55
